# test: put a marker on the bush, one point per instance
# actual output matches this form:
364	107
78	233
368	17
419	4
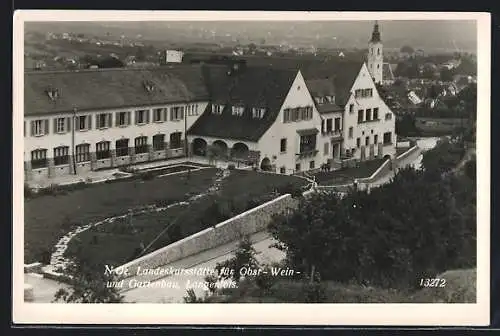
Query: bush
147	175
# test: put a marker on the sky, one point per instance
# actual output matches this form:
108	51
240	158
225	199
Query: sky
431	34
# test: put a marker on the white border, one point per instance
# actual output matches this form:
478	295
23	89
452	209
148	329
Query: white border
266	314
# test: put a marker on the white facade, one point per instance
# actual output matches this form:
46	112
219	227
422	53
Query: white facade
376	60
371	127
57	135
173	56
288	161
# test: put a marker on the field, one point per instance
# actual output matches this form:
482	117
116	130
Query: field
48	217
343	176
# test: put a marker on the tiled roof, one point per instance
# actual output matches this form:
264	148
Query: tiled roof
111	88
261	87
321	88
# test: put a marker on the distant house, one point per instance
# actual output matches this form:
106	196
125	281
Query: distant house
451	64
414	98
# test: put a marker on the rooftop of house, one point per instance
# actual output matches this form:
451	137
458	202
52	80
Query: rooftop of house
250	87
111	88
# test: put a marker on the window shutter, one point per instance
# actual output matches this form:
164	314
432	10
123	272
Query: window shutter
68	124
165	114
148	112
128	118
55	125
32	128
46	126
110	117
24	128
171	113
89	121
136	114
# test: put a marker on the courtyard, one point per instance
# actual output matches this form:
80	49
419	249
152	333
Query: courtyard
116	222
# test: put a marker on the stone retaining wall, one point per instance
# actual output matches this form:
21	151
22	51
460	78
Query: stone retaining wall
249	222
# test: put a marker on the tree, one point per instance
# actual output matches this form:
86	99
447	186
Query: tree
407	49
446	75
88	284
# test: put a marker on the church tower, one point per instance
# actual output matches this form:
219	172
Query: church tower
375	55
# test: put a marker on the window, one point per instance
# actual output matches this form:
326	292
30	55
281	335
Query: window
122	147
286	115
38	158
388	116
375	139
61	155
322	125
375	113
351	132
83	153
39	127
102	150
337	124
60	125
351	108
283	145
175	140
122	119
363	93
159	114
360	116
368	114
326	148
103	120
311	165
307	143
141	117
141	145
328	125
258	112
358	142
387	138
282	170
297	167
177	113
378	51
217	109
159	142
238	110
367	141
84	123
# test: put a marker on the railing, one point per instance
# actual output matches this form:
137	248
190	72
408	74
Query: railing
305	154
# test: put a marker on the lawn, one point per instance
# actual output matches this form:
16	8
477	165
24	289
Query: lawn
118	242
346	175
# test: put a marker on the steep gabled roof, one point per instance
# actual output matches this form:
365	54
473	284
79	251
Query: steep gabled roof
250	87
111	88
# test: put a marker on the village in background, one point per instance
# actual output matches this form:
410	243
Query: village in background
343	169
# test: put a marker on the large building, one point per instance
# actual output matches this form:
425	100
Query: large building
286	117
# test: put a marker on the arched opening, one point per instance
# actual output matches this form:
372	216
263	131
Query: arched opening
221	145
199	147
239	151
265	164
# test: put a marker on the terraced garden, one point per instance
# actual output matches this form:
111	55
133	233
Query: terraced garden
194	203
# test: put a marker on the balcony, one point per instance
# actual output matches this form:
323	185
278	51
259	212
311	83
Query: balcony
306	154
333	134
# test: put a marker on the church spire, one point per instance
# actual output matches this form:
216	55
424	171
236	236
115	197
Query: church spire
375	33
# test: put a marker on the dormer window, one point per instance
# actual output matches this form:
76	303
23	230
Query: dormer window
319	100
238	110
217	109
53	93
258	113
149	86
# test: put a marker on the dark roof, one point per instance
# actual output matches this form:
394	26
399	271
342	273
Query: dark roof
250	87
321	87
111	88
328	108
